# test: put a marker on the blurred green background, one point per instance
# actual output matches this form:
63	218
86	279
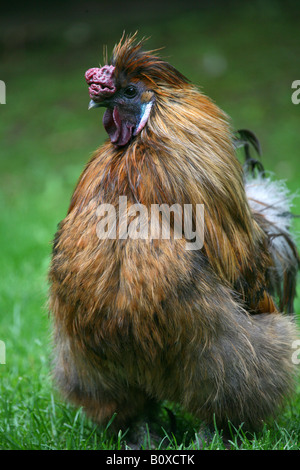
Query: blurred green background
244	55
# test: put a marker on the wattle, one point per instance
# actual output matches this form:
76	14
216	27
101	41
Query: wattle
119	130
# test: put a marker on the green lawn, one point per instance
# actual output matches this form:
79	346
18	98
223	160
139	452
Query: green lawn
246	60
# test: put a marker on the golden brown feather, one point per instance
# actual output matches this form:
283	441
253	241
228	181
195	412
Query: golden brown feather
138	321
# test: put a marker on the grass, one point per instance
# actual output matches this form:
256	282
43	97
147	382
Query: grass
47	136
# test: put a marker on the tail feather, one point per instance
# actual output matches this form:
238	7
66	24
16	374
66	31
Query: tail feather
271	204
247	140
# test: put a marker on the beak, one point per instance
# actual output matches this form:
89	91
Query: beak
92	104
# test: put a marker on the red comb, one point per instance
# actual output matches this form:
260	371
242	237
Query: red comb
101	82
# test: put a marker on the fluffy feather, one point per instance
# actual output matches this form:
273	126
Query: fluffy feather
138	321
273	202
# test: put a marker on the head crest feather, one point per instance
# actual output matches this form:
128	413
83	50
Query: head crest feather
132	62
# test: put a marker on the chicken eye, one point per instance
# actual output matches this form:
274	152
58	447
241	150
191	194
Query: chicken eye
130	92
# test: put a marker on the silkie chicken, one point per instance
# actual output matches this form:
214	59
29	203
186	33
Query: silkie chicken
143	320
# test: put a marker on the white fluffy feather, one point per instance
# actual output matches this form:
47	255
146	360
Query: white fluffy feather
274	202
272	199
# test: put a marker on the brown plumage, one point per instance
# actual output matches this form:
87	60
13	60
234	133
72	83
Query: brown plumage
139	321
